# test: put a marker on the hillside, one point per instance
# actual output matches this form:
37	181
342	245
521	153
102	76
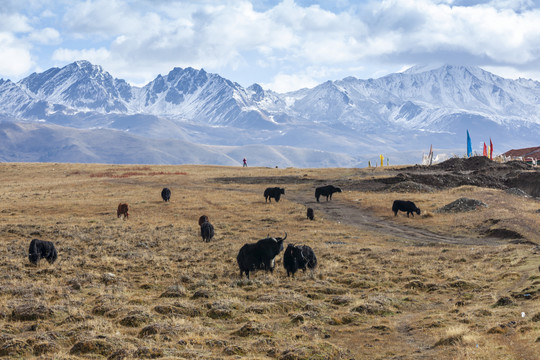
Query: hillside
429	286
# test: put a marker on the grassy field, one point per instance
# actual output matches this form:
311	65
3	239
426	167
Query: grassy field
148	287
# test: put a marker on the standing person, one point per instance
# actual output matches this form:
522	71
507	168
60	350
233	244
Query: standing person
245	163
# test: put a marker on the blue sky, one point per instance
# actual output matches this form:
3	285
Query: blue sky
282	45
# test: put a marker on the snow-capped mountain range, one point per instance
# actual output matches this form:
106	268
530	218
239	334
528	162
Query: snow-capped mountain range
80	113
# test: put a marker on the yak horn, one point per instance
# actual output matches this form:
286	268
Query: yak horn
285	236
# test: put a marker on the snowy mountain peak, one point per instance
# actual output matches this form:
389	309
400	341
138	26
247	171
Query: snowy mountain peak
349	116
85	66
79	85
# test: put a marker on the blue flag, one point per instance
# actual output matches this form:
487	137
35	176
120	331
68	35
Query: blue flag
469	146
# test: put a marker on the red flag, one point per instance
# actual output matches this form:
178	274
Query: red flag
490	149
485	150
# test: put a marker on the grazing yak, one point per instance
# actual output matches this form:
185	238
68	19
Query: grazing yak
273	192
41	249
402	205
207	231
310	214
327	191
203	219
259	255
298	257
166	194
122	210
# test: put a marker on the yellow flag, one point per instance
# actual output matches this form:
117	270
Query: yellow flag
382	160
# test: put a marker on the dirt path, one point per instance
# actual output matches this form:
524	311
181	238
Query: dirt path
346	213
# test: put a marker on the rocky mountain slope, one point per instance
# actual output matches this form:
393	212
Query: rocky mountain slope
399	115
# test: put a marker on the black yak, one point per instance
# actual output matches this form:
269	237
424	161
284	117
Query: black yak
122	210
166	194
203	219
402	205
298	257
41	249
259	255
327	191
310	214
207	231
273	192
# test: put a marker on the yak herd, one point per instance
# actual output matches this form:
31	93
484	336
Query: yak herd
252	256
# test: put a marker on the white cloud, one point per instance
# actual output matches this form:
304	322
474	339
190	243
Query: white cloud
273	43
15	23
15	59
96	56
289	82
47	36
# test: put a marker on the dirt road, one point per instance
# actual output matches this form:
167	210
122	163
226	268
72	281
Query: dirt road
347	213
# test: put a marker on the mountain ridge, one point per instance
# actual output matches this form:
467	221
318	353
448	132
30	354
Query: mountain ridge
357	118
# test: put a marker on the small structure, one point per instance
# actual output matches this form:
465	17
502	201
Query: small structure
530	155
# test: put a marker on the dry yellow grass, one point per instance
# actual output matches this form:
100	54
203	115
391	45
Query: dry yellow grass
148	287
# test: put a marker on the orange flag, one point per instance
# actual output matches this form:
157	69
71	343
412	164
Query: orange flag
485	150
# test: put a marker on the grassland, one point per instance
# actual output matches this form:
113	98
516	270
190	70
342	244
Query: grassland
148	287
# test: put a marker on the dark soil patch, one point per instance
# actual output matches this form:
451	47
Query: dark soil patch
504	301
528	181
266	180
503	234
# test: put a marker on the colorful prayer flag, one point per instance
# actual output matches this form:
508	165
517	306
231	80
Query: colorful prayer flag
469	146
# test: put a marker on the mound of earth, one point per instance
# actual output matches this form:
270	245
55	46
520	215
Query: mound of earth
528	181
479	163
503	233
476	171
462	205
410	186
516	191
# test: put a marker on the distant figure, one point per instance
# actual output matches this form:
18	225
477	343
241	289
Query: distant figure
273	192
244	162
122	210
203	219
327	191
406	206
41	249
207	231
166	194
